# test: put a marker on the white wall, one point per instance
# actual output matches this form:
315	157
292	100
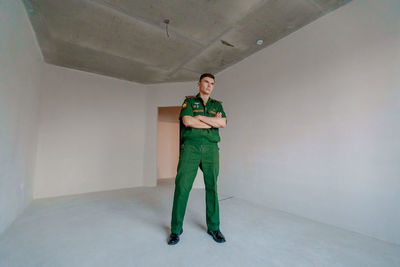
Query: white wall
20	66
91	133
314	121
98	133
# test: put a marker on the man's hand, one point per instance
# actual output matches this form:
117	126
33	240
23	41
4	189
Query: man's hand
194	122
201	117
215	122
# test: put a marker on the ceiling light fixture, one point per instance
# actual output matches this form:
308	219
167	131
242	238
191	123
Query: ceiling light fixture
260	42
166	21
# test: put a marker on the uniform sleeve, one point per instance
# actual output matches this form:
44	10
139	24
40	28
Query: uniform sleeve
186	109
221	109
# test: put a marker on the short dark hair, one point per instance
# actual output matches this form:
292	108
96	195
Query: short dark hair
206	75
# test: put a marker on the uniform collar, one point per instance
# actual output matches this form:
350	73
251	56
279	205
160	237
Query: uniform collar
199	97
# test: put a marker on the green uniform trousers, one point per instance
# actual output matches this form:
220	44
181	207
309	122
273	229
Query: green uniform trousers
205	156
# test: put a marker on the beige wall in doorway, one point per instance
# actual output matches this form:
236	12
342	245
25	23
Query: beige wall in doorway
168	145
167	142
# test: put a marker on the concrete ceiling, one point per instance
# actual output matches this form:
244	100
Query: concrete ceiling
128	39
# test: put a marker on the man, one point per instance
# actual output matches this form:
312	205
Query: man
200	118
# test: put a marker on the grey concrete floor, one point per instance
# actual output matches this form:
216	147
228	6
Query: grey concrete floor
129	228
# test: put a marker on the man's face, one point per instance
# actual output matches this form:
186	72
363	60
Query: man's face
206	85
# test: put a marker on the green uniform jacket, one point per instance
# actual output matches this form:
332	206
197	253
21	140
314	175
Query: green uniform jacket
193	106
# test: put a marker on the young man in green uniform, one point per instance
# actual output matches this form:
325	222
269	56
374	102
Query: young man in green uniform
200	118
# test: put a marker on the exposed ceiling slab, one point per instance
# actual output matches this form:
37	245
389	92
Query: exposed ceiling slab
128	39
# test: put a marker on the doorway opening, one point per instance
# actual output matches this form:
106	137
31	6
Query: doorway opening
167	144
168	147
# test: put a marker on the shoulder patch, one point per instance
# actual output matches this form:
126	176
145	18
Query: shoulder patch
184	105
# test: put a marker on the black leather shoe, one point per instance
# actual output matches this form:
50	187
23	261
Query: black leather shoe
174	238
217	236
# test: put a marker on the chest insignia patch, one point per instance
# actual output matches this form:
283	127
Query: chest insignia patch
196	105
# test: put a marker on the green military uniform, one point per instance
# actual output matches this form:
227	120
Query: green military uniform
198	148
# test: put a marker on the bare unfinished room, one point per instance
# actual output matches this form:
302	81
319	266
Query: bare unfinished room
92	94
